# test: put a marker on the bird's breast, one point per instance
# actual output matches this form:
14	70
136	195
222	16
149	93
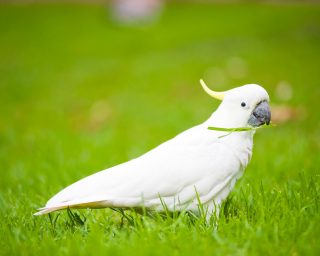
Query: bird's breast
241	147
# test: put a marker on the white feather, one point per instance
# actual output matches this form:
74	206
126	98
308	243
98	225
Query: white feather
196	162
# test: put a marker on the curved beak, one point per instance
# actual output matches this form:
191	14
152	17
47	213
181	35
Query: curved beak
260	115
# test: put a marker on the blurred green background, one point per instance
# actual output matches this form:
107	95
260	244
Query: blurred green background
80	92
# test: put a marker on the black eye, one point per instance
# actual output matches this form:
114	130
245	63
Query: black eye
243	104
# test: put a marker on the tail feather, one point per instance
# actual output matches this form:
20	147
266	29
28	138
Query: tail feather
48	209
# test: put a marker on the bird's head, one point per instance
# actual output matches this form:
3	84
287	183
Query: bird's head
247	105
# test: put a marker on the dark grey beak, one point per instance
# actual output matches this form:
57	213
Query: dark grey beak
260	115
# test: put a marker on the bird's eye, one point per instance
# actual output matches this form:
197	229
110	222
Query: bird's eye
243	104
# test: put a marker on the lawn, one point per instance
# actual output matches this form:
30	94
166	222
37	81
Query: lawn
79	94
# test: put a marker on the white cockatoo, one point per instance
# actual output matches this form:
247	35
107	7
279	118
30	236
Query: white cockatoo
197	166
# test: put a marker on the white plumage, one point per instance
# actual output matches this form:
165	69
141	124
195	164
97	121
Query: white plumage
196	162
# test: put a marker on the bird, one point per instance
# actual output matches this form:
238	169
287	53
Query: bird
197	167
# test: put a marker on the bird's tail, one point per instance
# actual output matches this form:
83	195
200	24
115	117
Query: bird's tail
45	210
72	204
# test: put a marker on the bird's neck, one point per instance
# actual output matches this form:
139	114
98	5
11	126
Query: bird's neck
240	143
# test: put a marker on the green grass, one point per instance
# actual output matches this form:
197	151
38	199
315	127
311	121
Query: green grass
79	94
